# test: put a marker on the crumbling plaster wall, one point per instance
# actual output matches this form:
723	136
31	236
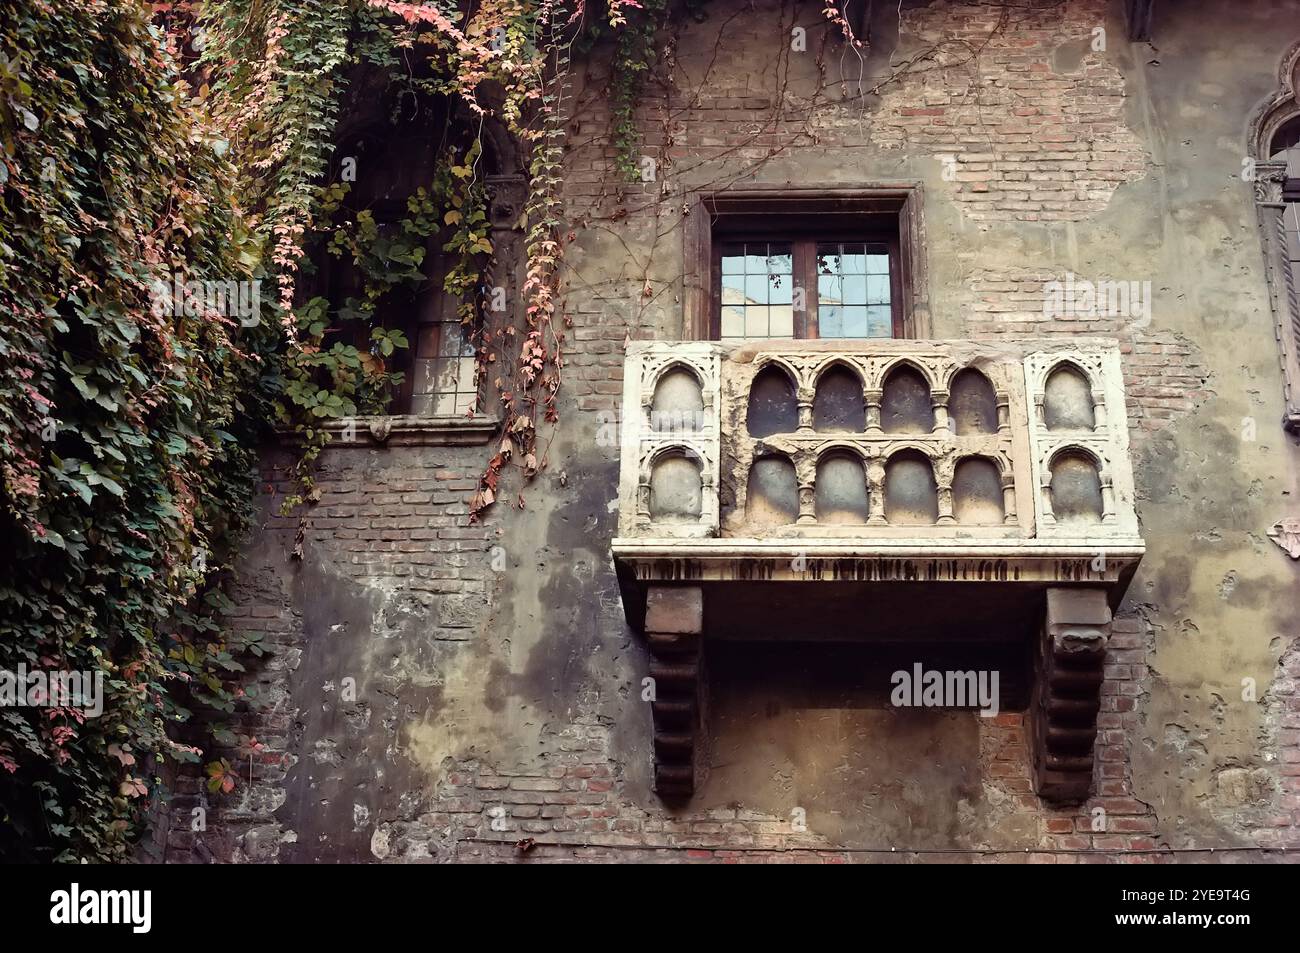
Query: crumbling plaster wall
497	685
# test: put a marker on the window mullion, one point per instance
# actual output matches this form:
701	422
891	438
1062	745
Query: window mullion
805	269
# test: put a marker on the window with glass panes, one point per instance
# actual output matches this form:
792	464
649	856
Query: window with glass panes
820	287
437	368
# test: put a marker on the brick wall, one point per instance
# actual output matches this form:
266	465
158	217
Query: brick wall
1165	376
1031	114
545	758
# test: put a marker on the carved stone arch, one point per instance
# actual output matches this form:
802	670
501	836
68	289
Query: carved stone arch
922	447
696	489
839	396
699	367
949	374
683	448
1001	410
676	364
913	497
856	450
978	500
799	377
841	491
692	410
1089	409
768	500
1099	463
1278	108
817	370
1041	366
932	379
654	377
1082	449
914	412
765	414
1277	209
995	457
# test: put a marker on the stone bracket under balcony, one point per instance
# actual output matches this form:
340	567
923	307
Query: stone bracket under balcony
880	492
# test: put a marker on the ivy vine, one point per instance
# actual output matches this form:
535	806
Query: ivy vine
126	428
140	154
633	57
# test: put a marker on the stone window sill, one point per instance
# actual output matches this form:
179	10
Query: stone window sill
407	430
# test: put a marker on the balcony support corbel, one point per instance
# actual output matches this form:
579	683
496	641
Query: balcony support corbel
796	582
1067	691
674	629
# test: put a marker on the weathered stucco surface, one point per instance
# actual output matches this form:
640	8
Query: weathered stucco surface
496	687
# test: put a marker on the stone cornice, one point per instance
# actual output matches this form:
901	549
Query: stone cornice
405	430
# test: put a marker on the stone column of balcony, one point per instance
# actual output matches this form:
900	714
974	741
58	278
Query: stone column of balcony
806	472
1009	517
873	398
939	402
876	492
943	475
805	397
1099	408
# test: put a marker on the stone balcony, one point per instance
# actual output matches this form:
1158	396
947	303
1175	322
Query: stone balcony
889	447
889	491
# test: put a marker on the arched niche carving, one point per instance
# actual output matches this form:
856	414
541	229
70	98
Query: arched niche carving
1067	399
911	494
772	492
905	404
977	498
678	402
838	404
773	405
676	487
1076	488
840	493
972	403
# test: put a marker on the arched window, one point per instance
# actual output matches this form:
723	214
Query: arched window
1274	166
424	342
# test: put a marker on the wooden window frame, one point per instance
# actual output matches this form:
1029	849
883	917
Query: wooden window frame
878	213
804	253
